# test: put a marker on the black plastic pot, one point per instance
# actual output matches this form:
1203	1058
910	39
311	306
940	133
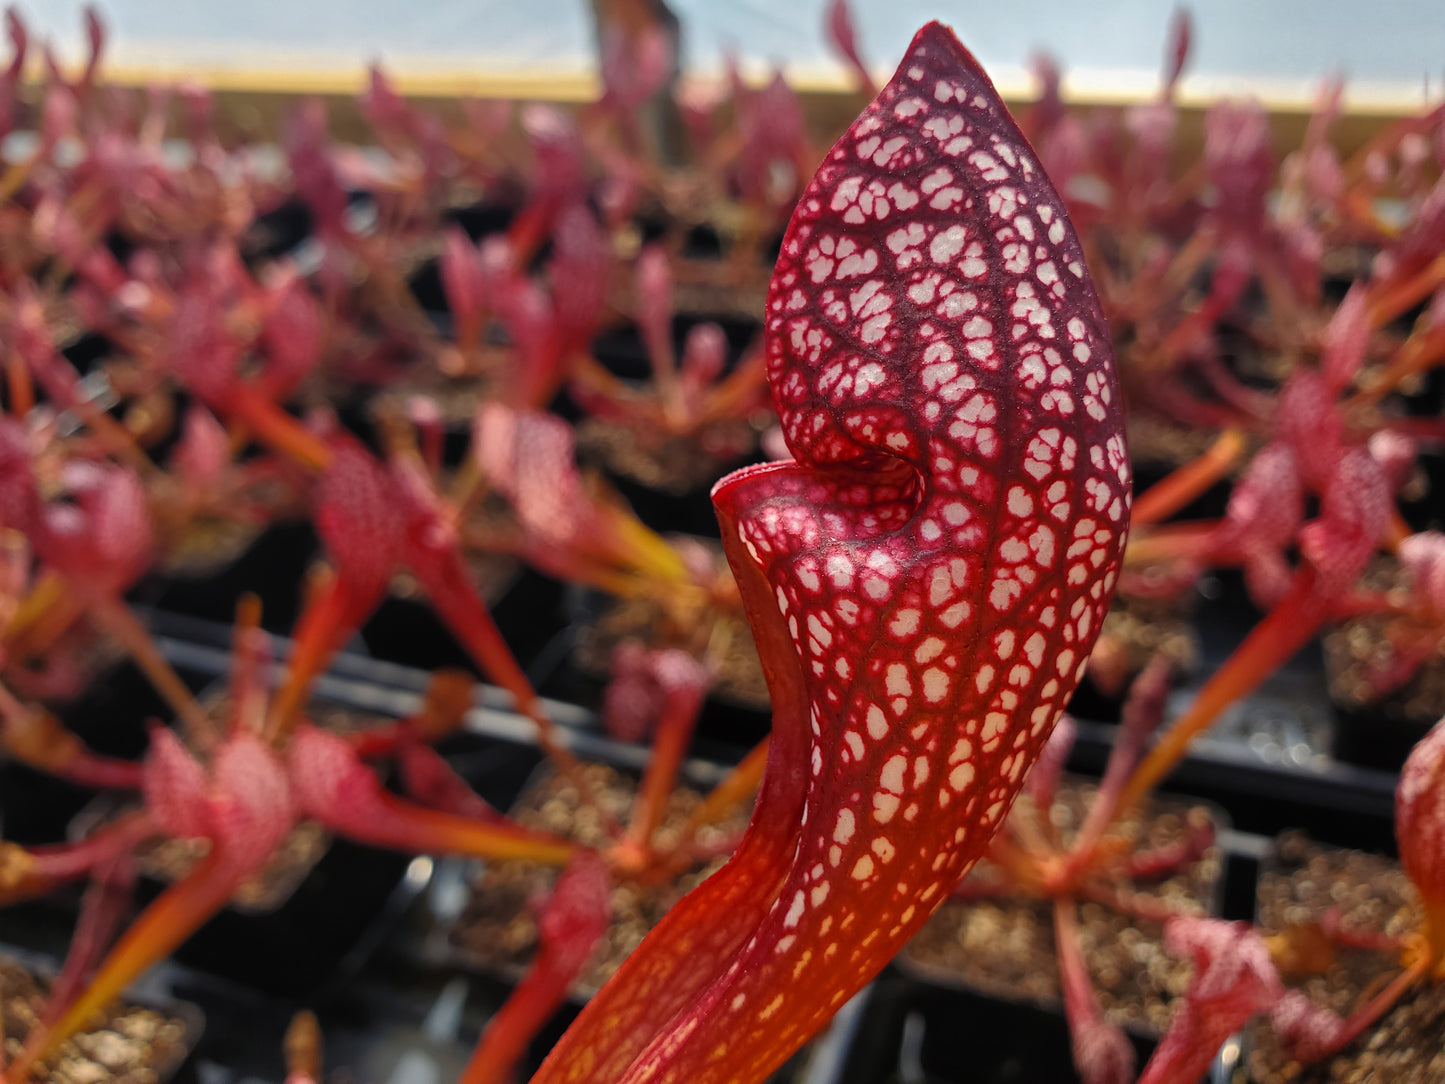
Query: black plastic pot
273	568
917	1034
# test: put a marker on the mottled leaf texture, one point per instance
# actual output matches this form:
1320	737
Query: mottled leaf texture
924	581
1420	822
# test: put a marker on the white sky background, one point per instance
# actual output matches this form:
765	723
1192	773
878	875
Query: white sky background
1278	48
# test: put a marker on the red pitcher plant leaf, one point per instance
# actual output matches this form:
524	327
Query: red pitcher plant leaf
566	528
356	517
332	785
1234	979
838	25
202	456
924	580
574	919
1420	830
1102	1052
1308	1031
1423	557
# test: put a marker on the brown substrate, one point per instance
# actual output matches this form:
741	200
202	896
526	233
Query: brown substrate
720	635
1358	650
205	546
1371	895
497	930
1005	947
195	543
122	1044
1134	631
264	891
457	397
674	465
1166	444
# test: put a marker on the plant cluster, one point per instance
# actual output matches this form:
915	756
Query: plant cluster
942	363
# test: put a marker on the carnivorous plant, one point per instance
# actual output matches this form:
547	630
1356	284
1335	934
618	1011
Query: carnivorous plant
924	579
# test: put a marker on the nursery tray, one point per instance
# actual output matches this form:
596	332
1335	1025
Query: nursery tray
1266	762
919	1034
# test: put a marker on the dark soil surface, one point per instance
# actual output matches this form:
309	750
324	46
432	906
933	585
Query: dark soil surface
720	635
676	465
1358	651
497	931
123	1044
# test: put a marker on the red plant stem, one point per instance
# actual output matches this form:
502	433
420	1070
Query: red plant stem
684	857
430	780
1173	541
1074	982
40	741
1396	530
1345	937
177	913
275	428
380	741
736	787
400	825
521	1017
1423	349
1142	714
43	616
21	387
1281	633
1136	904
463	611
1377	1006
1398	297
1435	934
741	387
1026	868
102	911
62	384
1164	860
1384	142
98	772
67	861
331	615
636	546
1194	326
575	918
251	657
1172	492
670	742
